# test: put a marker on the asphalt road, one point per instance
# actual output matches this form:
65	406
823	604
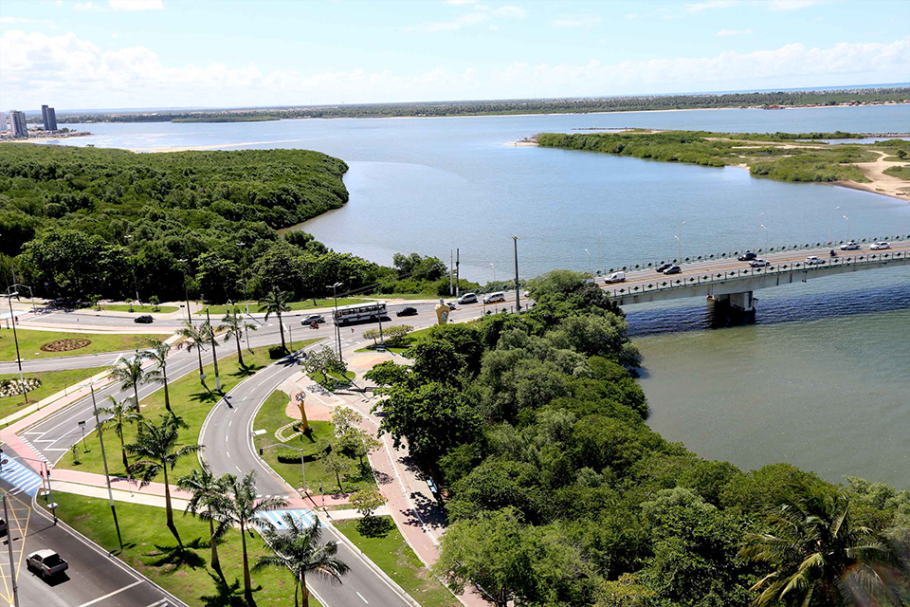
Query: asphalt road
94	577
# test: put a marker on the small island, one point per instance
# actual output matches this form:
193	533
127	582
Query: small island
882	167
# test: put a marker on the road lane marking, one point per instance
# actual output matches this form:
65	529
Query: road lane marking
110	594
361	598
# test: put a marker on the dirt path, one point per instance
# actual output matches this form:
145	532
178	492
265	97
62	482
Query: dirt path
880	182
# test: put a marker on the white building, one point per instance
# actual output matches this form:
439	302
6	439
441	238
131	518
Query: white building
4	121
17	120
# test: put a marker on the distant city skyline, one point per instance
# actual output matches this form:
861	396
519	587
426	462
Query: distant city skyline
164	53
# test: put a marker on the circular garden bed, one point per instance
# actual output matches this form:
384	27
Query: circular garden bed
12	387
65	345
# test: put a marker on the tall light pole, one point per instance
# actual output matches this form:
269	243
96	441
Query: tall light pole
758	231
600	263
848	227
590	271
12	320
9	545
833	217
107	476
494	273
129	239
186	293
208	321
243	276
517	287
762	227
679	243
334	288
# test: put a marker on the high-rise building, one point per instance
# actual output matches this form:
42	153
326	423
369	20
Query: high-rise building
17	121
49	117
4	121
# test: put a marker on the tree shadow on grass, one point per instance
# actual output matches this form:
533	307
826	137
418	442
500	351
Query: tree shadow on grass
225	594
207	396
375	526
172	558
247	370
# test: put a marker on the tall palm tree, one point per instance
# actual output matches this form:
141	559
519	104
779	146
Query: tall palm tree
121	413
813	547
276	302
158	354
207	490
157	446
130	374
194	337
239	507
298	548
233	325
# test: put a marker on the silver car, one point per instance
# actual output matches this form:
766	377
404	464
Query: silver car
46	563
879	246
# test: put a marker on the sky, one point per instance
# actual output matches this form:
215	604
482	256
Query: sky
211	53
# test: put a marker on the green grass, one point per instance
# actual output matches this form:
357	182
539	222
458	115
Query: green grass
409	340
51	383
393	555
286	462
407	296
150	548
901	172
295	305
323	381
189	400
138	309
30	343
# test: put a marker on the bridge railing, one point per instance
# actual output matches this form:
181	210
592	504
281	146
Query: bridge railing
667	283
831	244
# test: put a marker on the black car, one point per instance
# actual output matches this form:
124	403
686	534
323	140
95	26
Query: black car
663	268
145	319
672	270
747	256
409	311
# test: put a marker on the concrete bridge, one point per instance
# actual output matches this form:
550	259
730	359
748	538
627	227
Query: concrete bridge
731	283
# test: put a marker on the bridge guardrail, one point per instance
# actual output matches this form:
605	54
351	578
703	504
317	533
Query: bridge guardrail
668	283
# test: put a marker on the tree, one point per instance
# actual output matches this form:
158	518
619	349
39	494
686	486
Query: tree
238	506
206	490
157	446
818	555
158	354
129	302
372	334
299	549
324	363
276	302
121	414
357	443
193	338
396	333
345	419
130	374
233	325
156	302
338	466
902	154
93	301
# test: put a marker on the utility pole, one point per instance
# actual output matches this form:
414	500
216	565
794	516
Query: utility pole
186	293
451	275
517	296
9	546
457	272
107	476
334	288
12	320
208	321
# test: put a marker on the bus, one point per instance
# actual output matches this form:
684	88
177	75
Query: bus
359	312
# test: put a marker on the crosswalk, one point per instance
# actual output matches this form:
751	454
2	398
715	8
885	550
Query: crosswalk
20	476
303	517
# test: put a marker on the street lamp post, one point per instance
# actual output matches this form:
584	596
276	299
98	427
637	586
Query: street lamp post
107	476
208	321
590	271
186	293
679	243
848	227
129	238
12	562
334	288
12	318
762	227
758	231
833	217
494	273
243	276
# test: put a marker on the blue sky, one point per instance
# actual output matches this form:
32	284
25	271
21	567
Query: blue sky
157	53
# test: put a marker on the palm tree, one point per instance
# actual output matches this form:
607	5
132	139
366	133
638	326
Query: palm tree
234	326
276	302
207	489
121	414
813	548
158	353
239	507
157	446
194	336
130	374
298	548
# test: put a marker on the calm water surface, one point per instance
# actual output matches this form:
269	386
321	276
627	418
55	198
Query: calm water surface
821	381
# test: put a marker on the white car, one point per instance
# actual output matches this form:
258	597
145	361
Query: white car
812	260
494	298
850	246
759	263
879	246
467	298
46	563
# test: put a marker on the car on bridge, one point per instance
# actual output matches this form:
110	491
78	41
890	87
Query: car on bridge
615	277
663	268
759	263
879	246
748	256
46	563
673	270
494	297
850	246
812	260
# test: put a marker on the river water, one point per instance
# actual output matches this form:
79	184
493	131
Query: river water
822	380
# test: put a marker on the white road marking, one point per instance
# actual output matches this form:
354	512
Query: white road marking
361	598
238	469
109	595
230	422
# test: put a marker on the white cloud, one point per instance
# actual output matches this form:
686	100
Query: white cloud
793	5
35	67
586	21
87	6
723	33
121	5
462	1
710	4
515	12
474	18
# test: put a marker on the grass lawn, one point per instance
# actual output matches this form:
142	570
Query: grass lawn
30	343
286	462
407	296
189	400
393	555
295	305
321	379
403	344
137	308
901	172
149	547
51	383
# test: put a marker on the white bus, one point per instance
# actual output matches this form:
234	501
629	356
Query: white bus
358	312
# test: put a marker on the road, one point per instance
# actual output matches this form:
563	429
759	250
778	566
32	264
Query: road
94	577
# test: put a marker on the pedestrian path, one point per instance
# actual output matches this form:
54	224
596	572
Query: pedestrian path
276	517
23	478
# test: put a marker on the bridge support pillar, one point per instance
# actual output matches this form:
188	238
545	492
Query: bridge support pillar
733	309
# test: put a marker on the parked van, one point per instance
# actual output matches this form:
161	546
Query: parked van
616	277
494	297
467	298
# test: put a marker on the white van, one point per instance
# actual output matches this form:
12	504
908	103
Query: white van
494	297
616	277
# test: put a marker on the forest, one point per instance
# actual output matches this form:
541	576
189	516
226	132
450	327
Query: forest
83	222
558	492
513	106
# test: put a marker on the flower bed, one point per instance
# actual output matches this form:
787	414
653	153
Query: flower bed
12	387
65	345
